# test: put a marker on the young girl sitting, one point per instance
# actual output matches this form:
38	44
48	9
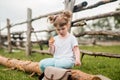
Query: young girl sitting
64	46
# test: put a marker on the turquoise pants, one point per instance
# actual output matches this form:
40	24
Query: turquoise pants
61	63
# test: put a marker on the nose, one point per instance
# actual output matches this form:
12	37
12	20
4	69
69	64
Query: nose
60	31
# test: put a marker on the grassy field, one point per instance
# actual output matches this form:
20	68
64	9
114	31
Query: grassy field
109	67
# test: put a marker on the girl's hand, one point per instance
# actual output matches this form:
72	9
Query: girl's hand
77	63
77	56
51	45
51	41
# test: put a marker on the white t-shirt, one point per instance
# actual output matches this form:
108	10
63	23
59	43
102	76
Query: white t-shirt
64	47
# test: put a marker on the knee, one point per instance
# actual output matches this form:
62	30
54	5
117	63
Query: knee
65	65
41	66
59	65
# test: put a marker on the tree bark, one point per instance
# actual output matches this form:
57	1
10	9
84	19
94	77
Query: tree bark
29	66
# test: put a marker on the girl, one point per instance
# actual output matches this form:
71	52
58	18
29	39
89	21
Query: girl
64	46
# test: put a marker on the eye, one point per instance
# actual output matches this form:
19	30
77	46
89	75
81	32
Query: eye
63	29
58	29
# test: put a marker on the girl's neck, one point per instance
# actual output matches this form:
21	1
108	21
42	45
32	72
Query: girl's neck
63	37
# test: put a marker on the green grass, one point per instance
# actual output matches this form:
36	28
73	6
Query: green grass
110	49
102	65
8	74
109	67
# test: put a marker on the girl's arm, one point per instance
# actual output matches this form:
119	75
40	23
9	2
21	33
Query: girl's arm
51	46
77	55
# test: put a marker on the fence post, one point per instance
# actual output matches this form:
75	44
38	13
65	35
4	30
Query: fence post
9	36
29	26
69	5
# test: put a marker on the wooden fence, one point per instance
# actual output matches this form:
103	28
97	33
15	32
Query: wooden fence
69	5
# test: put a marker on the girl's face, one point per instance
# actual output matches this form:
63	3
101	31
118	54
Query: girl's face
62	31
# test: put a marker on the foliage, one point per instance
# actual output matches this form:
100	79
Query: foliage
117	19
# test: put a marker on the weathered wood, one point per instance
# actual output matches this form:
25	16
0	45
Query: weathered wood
82	23
46	15
79	75
100	3
42	51
17	33
29	27
98	16
53	13
111	33
69	6
111	55
9	36
79	24
79	6
29	66
83	52
44	31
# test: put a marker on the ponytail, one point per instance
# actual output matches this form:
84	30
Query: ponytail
60	19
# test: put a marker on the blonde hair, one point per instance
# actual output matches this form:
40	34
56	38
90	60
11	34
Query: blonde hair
60	19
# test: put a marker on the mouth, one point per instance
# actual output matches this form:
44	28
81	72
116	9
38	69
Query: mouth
62	35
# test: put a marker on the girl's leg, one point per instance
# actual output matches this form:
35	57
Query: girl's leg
46	62
64	63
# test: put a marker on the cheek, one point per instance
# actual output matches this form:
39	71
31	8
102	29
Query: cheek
66	30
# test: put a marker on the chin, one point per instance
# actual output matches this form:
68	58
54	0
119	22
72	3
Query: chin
62	35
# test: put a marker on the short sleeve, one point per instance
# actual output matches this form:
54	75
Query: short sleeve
74	41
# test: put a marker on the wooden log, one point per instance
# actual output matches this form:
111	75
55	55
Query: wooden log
29	66
79	75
